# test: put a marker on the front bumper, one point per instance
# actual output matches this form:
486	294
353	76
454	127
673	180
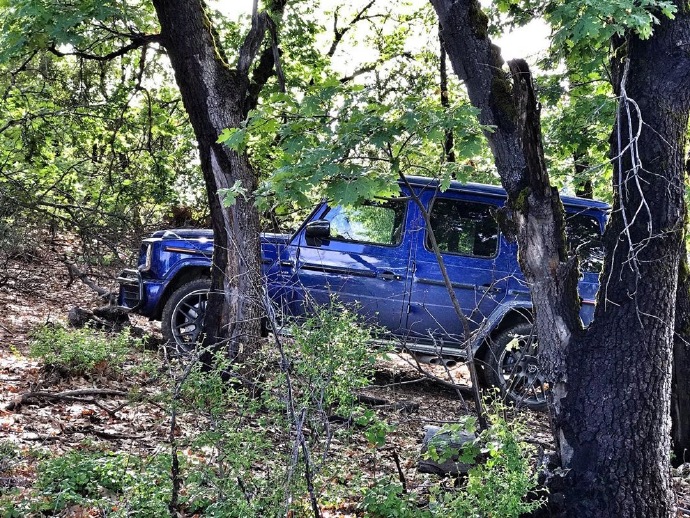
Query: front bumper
131	295
140	295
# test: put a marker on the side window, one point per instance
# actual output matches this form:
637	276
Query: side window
584	237
465	228
376	223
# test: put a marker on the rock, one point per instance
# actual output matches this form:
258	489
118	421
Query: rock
453	440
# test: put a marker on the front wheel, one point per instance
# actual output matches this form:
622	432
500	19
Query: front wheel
183	315
510	363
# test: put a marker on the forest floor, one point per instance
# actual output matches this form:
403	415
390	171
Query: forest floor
36	289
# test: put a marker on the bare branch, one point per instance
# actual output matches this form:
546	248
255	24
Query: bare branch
339	33
138	41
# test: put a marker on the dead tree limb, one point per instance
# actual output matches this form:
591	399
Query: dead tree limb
68	395
76	273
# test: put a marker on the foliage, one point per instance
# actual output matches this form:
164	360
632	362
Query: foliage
497	485
330	358
125	484
325	361
387	499
82	351
96	146
500	484
345	144
577	126
585	28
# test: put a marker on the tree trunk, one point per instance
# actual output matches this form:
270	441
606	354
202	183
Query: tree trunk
534	214
214	96
680	393
611	383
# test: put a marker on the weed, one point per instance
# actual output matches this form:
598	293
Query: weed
124	484
81	351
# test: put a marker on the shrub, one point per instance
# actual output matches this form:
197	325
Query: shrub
81	351
124	484
497	485
253	461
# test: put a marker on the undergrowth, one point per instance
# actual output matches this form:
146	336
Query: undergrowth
271	439
82	351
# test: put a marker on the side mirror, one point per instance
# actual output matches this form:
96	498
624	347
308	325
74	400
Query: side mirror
316	231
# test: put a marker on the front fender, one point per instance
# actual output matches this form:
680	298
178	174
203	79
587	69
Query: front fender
490	324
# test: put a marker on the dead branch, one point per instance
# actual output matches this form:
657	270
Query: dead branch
68	395
406	406
76	273
100	433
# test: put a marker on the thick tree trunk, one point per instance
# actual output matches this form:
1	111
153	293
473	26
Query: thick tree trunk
611	384
680	391
214	96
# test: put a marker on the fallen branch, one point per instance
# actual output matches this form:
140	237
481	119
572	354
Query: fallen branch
426	378
76	273
405	406
100	433
68	395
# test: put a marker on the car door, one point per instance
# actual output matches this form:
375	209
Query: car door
467	235
362	262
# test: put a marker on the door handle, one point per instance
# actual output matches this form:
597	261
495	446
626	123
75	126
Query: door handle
389	276
489	288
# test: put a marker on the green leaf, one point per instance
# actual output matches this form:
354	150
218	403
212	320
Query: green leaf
228	196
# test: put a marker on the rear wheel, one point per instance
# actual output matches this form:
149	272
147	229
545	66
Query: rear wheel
510	363
183	315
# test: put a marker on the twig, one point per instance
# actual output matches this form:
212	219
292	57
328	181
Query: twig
175	464
401	475
406	406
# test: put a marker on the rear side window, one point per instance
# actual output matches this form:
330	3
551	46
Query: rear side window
584	237
464	228
380	223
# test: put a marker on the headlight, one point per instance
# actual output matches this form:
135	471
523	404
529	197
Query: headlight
149	256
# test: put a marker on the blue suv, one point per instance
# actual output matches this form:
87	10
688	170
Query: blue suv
377	257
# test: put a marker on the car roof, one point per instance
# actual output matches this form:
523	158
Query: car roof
498	192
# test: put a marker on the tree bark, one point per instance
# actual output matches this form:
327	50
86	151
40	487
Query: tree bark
215	97
680	385
680	393
611	383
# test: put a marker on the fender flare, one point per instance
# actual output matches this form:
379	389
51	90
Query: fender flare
491	324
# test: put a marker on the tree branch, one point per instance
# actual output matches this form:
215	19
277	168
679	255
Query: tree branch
268	63
138	40
251	44
339	33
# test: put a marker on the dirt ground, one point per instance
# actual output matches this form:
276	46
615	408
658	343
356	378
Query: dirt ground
37	289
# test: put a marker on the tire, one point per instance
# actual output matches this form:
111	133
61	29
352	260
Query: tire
510	363
183	315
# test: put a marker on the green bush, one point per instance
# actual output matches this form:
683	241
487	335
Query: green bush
252	465
497	485
124	484
80	351
330	358
386	499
